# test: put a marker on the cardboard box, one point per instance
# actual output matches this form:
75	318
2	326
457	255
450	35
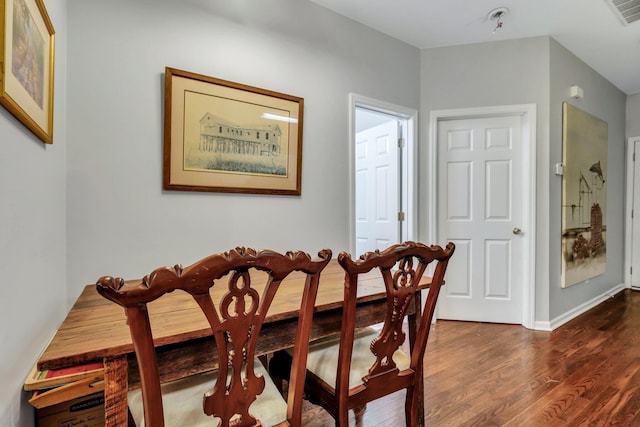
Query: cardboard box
86	411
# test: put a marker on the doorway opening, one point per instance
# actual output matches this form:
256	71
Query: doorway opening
382	178
632	241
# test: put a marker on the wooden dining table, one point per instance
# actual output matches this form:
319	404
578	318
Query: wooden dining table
95	329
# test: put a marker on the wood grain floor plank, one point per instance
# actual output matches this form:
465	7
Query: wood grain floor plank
585	373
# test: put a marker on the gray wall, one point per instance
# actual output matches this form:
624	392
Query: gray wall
493	74
121	222
633	115
605	101
32	239
92	203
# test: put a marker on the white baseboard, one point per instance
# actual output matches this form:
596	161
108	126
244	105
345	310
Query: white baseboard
542	326
572	314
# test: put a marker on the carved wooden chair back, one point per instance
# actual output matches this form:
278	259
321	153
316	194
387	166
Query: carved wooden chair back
402	267
235	322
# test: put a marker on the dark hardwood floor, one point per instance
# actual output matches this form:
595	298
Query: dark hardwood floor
585	373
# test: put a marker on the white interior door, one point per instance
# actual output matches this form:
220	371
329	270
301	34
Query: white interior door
377	187
635	218
480	209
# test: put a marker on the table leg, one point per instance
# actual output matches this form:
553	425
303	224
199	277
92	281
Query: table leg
414	324
115	391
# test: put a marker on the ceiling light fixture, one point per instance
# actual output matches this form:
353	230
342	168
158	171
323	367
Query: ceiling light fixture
496	16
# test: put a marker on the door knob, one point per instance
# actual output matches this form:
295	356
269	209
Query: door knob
516	230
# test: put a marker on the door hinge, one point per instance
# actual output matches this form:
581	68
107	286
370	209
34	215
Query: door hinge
400	216
400	142
631	270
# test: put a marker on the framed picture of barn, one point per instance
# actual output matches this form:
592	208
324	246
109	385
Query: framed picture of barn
223	136
584	196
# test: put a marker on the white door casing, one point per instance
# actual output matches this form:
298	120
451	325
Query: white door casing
635	234
632	244
407	169
485	196
377	183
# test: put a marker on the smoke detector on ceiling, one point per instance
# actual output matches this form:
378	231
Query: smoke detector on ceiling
496	16
627	11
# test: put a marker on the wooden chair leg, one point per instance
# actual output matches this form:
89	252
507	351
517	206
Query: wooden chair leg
412	407
358	412
280	369
342	418
130	421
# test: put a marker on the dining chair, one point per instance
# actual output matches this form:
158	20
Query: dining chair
240	392
362	365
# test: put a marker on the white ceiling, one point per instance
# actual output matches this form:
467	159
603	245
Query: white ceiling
588	28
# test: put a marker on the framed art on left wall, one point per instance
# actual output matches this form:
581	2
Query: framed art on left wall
27	41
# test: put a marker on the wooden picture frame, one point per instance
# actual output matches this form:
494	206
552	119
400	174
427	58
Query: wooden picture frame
27	44
227	137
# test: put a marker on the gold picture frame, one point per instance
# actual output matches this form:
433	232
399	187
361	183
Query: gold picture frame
228	137
27	44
